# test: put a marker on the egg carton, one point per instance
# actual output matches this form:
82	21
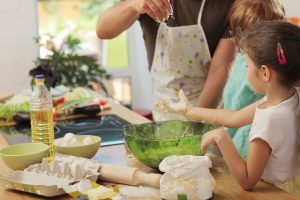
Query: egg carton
48	179
67	167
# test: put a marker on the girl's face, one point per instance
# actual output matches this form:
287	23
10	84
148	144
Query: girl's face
253	75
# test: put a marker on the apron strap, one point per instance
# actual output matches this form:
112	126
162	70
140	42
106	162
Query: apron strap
201	12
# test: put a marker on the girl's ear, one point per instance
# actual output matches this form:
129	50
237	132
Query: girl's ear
265	73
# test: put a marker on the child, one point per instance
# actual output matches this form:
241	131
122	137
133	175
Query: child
272	50
237	92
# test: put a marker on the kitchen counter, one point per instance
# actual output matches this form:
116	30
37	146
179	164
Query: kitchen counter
226	187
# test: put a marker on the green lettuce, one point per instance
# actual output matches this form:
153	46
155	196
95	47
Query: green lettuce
7	110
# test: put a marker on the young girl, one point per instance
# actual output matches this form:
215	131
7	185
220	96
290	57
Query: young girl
272	50
238	93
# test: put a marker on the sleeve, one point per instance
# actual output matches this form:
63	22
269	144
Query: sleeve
270	127
226	30
226	33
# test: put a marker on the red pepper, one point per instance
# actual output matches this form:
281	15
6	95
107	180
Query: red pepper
58	101
55	115
103	102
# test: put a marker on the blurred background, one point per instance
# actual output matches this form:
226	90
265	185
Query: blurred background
123	57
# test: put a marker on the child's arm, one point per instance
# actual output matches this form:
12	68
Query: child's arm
246	173
222	117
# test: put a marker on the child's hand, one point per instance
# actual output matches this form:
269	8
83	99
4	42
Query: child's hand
180	107
210	137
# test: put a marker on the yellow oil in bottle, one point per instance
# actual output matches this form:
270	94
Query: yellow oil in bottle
42	129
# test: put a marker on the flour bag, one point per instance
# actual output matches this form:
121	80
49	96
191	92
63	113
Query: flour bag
187	176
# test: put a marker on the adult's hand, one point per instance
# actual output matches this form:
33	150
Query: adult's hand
159	10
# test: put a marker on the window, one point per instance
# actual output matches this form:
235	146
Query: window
60	18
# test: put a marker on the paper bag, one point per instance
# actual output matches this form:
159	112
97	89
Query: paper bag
186	175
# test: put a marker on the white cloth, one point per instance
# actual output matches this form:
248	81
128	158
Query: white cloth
181	61
278	126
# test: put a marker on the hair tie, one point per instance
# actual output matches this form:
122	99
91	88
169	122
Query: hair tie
280	54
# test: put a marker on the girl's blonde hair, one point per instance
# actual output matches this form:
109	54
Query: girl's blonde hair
246	12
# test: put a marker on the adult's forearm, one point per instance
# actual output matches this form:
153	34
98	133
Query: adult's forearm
217	75
116	19
213	88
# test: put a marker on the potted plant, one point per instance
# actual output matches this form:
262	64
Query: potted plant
64	66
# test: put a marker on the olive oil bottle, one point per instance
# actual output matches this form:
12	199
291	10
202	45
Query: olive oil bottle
41	115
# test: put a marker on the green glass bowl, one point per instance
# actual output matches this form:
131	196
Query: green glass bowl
20	156
151	142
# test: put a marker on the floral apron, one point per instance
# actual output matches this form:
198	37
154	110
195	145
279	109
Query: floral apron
181	61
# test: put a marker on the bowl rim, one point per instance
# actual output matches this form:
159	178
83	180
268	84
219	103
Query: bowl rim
99	140
23	144
160	122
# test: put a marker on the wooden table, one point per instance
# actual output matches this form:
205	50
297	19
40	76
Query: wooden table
226	187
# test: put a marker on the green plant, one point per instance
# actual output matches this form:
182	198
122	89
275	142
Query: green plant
65	66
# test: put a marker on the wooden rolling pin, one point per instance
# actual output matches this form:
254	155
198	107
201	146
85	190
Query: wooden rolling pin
128	176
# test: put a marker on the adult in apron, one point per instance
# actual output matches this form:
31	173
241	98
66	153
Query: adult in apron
238	93
181	61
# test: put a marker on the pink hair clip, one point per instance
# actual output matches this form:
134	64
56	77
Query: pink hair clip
280	54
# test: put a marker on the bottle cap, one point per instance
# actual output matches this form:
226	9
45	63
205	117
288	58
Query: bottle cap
39	78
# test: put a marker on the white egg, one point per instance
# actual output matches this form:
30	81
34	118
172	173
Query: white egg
64	144
60	142
88	140
57	142
73	142
68	137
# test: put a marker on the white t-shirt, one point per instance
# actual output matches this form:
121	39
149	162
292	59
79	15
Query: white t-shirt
278	126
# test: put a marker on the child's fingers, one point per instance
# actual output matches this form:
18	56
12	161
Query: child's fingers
182	96
207	139
167	106
158	106
165	103
203	144
162	106
203	149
